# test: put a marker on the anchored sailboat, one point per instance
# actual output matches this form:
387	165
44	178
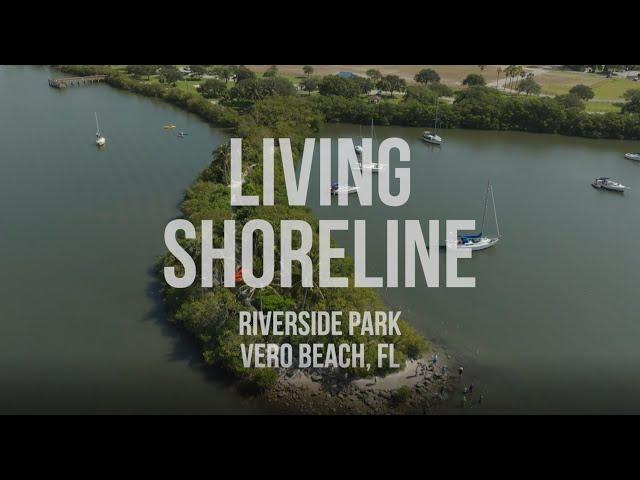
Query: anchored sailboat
479	241
433	137
337	189
100	139
359	148
374	167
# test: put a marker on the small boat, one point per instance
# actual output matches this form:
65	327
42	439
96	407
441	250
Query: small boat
479	241
608	184
633	156
337	189
169	127
374	167
473	242
433	137
101	141
182	134
359	148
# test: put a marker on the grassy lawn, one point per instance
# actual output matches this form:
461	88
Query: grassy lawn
602	107
450	74
559	83
614	88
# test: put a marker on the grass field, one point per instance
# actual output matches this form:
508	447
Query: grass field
603	107
553	82
449	74
614	88
560	82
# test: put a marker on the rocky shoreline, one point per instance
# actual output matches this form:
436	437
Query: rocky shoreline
416	389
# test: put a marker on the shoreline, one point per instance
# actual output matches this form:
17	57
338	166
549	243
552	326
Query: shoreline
417	388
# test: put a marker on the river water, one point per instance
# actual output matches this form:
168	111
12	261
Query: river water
551	327
80	229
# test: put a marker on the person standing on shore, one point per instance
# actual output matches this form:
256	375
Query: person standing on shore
460	370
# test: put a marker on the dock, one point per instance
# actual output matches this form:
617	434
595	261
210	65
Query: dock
64	82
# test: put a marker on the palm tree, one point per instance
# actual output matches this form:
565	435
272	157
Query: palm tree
523	74
498	80
508	74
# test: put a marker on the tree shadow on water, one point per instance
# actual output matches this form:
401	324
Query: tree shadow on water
184	348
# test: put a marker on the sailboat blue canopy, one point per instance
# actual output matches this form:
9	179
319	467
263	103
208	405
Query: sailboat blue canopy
470	237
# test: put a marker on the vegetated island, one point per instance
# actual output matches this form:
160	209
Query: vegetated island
254	107
211	315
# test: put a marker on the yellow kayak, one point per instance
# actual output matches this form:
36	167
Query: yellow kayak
169	126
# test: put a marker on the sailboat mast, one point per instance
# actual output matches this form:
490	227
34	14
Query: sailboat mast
486	199
435	126
495	214
97	125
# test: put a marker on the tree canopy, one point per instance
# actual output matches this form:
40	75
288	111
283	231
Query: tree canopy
338	86
213	88
426	76
474	80
582	91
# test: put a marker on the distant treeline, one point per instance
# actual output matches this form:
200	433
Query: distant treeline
475	107
484	108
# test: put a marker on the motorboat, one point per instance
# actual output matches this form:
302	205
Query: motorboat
182	134
633	156
337	189
608	184
169	127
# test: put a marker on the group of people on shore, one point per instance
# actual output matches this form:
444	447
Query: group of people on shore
423	368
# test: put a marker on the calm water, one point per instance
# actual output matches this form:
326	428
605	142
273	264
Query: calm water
80	229
551	327
553	324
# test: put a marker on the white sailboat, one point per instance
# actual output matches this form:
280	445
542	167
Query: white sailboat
374	167
633	156
337	189
101	141
433	137
359	148
608	184
479	241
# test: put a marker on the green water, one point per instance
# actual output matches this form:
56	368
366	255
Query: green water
553	323
80	228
